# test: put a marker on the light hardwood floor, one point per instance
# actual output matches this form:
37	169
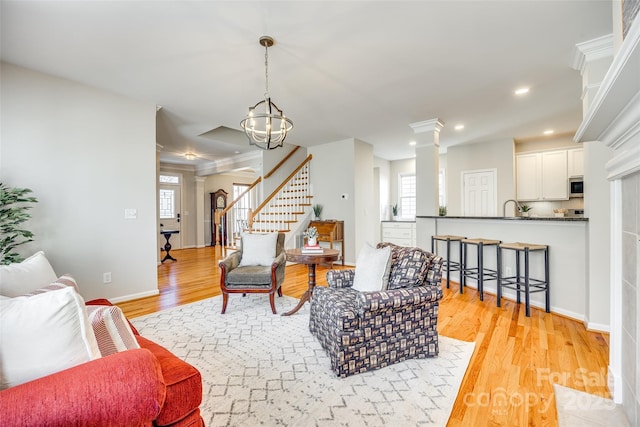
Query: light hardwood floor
509	381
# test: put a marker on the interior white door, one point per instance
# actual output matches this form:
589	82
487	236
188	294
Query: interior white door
479	193
169	200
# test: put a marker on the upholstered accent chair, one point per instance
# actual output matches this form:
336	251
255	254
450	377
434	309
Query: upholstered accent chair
257	267
362	331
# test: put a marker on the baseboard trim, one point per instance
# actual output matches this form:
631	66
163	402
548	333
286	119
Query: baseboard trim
134	296
597	327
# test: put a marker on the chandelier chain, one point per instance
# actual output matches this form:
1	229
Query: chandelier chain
266	71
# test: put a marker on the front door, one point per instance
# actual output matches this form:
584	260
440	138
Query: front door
169	199
479	193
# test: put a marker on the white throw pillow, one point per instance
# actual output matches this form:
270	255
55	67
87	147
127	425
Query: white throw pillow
111	329
372	269
258	249
43	334
27	276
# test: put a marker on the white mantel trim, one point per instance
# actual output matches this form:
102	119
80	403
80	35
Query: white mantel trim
619	86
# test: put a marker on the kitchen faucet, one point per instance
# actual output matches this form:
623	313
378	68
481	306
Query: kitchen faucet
504	206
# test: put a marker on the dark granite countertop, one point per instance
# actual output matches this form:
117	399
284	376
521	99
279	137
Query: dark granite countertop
510	218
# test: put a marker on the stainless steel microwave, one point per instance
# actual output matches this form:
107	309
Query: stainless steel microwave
576	187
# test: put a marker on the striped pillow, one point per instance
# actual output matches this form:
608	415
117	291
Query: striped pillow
61	282
111	329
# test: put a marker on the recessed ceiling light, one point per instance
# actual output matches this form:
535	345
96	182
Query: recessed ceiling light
190	156
412	143
236	152
459	127
548	131
522	91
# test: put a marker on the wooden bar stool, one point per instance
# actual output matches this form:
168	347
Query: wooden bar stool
479	272
524	283
451	265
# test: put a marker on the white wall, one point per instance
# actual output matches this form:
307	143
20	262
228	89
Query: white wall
366	211
383	168
87	154
486	155
333	174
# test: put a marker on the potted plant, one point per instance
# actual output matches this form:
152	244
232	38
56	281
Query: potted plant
13	213
442	211
312	236
525	210
394	209
317	211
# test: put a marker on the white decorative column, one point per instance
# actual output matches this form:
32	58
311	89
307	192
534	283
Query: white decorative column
200	213
592	59
427	137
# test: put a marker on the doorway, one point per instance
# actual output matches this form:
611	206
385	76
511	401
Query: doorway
169	199
479	189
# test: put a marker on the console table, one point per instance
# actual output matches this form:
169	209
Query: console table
167	246
332	232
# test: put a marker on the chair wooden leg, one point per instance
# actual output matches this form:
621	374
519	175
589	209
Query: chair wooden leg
225	298
272	301
280	291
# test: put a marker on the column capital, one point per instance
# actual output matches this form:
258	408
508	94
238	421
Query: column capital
432	125
591	50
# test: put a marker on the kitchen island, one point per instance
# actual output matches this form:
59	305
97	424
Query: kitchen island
565	236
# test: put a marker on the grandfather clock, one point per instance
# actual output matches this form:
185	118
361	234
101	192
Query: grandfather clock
218	203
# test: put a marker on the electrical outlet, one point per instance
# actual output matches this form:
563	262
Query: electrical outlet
106	277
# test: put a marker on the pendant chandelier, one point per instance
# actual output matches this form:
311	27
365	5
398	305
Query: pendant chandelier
265	125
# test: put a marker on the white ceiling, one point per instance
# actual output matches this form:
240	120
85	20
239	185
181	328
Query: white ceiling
348	69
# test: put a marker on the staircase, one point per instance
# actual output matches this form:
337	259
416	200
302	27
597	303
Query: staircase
281	211
285	205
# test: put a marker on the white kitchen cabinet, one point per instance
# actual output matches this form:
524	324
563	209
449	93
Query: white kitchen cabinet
575	162
402	233
527	176
555	181
542	176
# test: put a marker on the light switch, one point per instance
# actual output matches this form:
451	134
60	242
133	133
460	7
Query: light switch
130	213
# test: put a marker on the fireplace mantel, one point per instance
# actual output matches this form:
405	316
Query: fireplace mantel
613	117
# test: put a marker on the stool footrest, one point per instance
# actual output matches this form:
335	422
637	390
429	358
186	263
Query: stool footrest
487	274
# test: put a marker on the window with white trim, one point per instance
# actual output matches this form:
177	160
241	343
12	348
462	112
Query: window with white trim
407	196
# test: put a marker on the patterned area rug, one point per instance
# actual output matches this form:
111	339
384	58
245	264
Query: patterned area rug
265	369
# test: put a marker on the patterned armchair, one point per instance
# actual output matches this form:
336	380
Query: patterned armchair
362	331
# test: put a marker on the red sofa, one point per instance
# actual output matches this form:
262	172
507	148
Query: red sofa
143	387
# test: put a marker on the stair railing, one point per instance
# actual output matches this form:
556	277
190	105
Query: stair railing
283	206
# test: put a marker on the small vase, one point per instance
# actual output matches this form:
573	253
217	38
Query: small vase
312	241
